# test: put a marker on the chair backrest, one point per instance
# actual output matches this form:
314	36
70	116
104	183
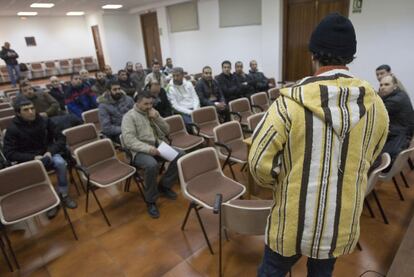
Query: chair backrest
50	64
3	71
205	115
9	92
273	94
4	106
92	116
240	105
253	120
176	124
197	163
64	63
36	66
247	217
398	165
15	177
5	122
373	176
260	99
87	60
76	62
93	153
228	132
6	112
80	135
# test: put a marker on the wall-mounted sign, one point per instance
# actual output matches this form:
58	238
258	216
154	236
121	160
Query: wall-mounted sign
357	6
30	41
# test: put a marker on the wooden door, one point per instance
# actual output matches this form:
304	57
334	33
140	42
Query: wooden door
151	36
300	18
98	47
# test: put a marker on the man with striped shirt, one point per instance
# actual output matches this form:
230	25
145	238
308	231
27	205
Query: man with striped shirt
314	147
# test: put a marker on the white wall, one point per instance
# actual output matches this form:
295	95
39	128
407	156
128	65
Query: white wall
56	37
385	35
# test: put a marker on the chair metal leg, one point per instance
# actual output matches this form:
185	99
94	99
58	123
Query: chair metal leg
410	163
68	219
369	208
204	231
6	257
72	181
232	172
404	180
359	246
226	235
190	207
80	181
9	246
397	188
87	197
384	217
220	245
243	167
100	207
139	185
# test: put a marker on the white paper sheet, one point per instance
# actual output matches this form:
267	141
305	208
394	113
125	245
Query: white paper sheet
167	152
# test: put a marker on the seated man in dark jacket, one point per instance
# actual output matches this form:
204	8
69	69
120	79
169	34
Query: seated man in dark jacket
32	137
108	74
101	84
259	80
127	85
79	97
210	93
400	112
112	107
244	83
57	91
228	83
161	102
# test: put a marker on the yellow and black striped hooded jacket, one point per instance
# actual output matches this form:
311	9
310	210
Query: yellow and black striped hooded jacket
314	146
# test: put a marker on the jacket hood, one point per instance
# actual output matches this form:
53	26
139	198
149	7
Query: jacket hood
336	97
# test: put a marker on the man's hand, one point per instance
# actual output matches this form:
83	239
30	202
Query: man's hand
38	157
154	151
153	113
43	114
47	154
220	105
271	85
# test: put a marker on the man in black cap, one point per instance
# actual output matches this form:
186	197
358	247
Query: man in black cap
314	147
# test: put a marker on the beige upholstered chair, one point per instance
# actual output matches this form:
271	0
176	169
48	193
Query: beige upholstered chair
92	116
206	119
77	64
261	100
179	136
273	94
253	121
6	112
240	109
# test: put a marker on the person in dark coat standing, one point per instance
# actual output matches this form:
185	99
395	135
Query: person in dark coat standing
10	58
228	83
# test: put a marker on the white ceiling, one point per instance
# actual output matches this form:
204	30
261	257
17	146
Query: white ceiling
12	7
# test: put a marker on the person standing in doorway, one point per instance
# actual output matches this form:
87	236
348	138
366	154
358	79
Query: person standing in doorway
10	58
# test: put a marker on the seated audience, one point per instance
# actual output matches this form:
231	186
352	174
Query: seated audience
244	83
126	84
228	83
138	77
156	75
108	74
210	93
129	68
168	68
84	74
161	102
101	83
32	137
259	80
384	70
143	129
112	107
44	104
79	97
57	91
400	112
182	95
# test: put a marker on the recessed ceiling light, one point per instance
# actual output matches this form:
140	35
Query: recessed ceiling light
75	13
42	5
111	7
27	13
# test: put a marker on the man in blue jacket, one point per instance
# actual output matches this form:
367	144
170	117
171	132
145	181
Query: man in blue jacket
79	96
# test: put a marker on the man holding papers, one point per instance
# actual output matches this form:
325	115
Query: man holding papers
143	131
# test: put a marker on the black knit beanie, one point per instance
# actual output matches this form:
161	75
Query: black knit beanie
334	36
19	102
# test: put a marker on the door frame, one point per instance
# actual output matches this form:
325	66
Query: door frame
98	46
146	46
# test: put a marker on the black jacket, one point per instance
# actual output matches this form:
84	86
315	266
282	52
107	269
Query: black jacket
245	85
162	105
260	82
400	112
128	87
59	95
208	90
24	140
9	56
229	87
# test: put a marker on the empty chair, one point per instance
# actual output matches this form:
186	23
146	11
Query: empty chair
77	65
64	67
179	136
240	109
260	99
206	119
92	116
22	198
80	135
253	120
11	92
50	68
4	106
101	168
4	74
6	112
397	167
37	70
273	94
372	181
90	64
246	217
228	138
5	123
201	179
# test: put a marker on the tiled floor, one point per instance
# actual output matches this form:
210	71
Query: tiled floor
137	245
